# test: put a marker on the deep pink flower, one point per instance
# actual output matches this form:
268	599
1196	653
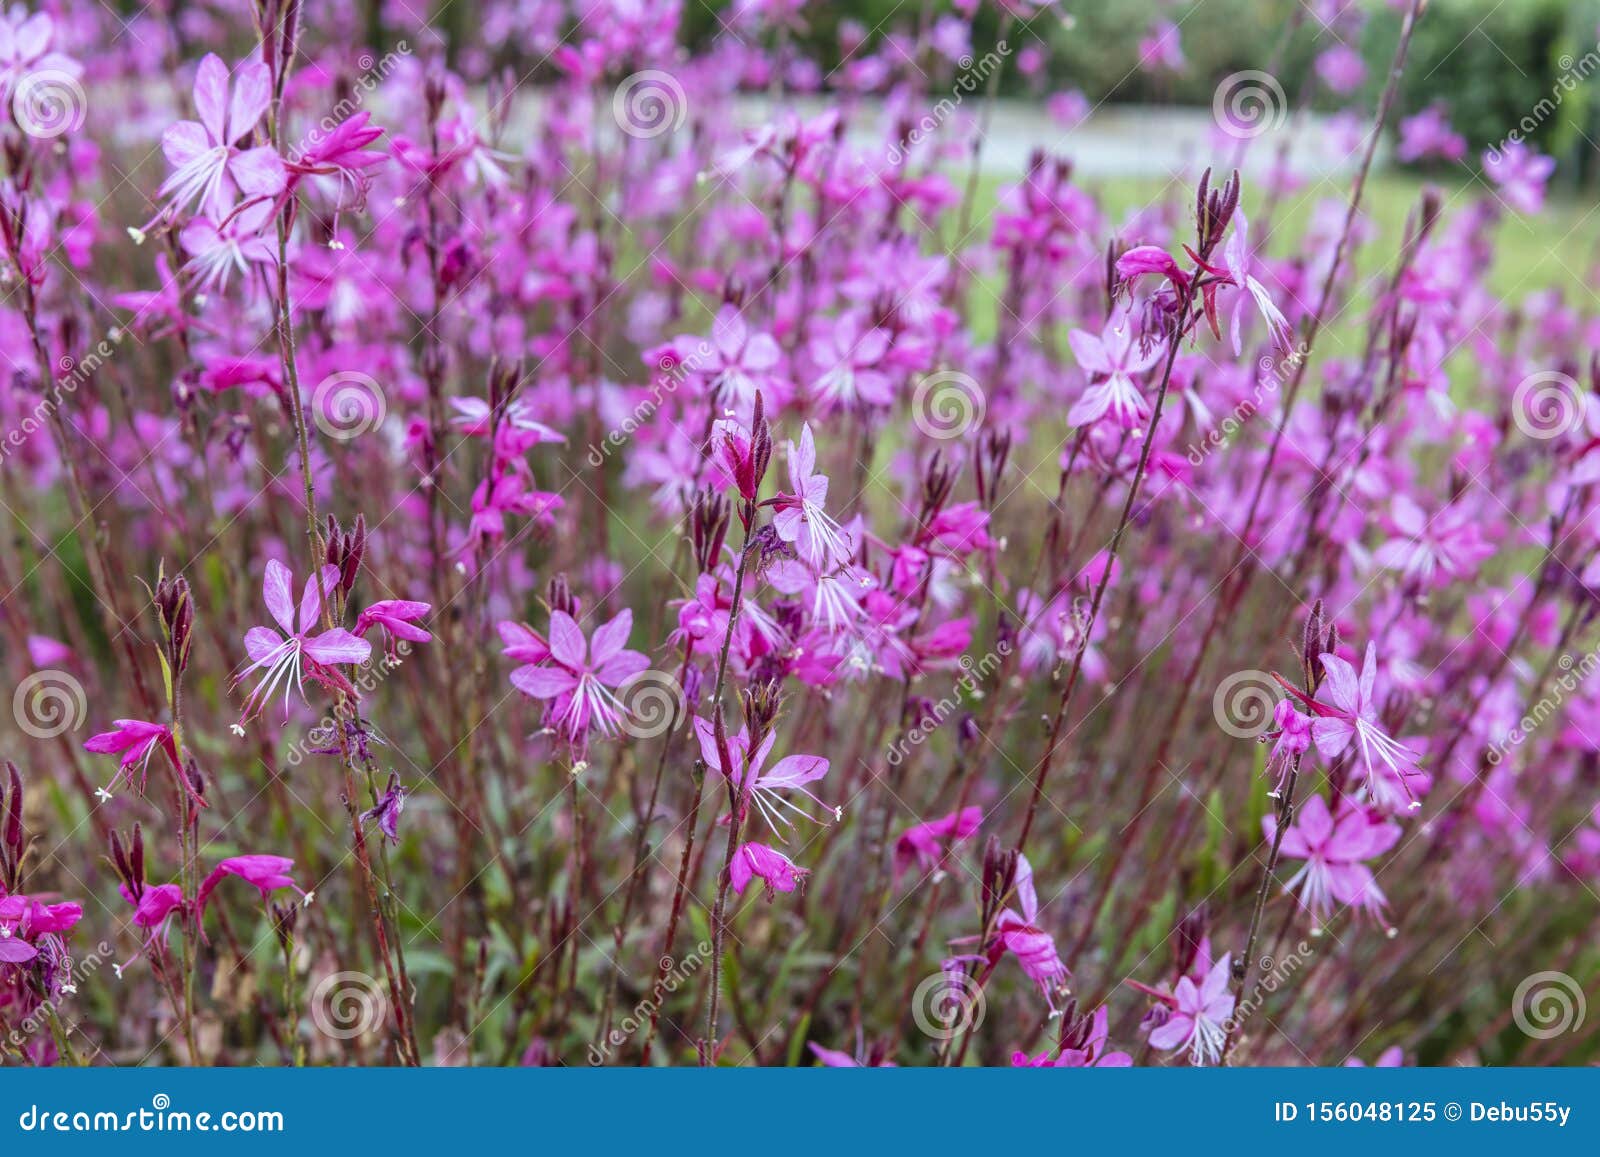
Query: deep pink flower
1017	931
267	873
773	868
925	843
137	741
397	617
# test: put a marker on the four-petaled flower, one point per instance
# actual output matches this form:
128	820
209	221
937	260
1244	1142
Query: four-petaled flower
580	675
279	653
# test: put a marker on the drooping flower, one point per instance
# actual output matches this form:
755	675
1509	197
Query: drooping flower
137	741
925	843
398	619
279	654
266	873
773	868
579	675
1017	931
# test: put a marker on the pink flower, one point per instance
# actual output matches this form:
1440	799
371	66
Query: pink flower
1427	135
800	517
1144	259
580	674
1346	712
1115	357
217	250
790	773
1083	1046
1333	848
1520	174
205	154
267	873
1018	932
774	869
924	844
1199	1014
398	619
137	741
279	653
